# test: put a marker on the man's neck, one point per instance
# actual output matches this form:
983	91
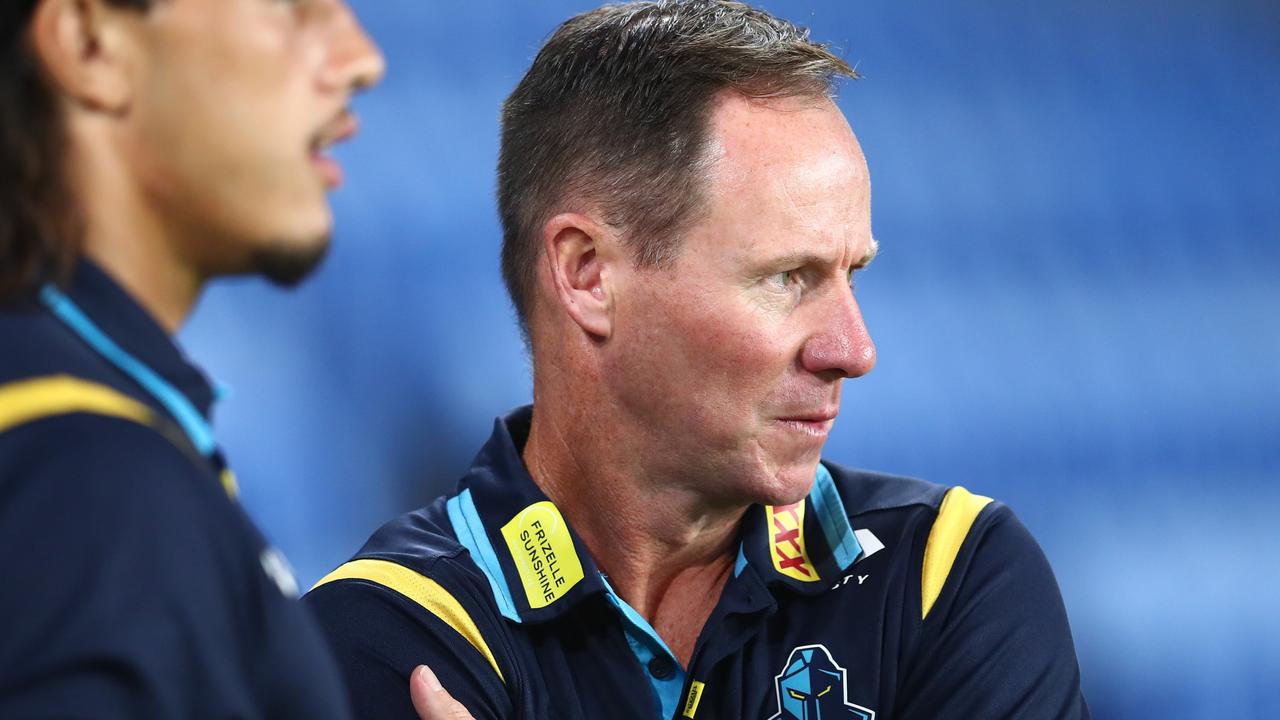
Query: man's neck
161	287
129	241
665	553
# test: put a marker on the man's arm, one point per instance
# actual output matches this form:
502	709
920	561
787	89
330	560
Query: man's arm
381	628
996	643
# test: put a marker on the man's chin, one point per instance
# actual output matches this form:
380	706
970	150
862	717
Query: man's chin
287	264
790	484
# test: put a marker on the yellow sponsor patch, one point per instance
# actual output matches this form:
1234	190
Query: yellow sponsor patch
695	696
786	542
543	550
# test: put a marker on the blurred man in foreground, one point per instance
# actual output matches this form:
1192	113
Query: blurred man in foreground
147	147
685	208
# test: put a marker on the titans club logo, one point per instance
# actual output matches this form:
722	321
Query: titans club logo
811	686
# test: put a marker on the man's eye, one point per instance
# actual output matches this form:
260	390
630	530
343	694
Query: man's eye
796	695
782	280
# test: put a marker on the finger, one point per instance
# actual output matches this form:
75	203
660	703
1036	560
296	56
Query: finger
430	699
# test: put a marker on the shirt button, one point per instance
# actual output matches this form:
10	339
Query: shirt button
662	667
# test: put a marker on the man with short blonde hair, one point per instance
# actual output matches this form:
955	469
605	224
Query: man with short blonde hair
684	211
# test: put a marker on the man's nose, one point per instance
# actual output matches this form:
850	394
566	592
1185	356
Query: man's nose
355	62
841	344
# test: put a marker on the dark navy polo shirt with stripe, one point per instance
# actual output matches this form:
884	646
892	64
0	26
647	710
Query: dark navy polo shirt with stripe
133	585
875	597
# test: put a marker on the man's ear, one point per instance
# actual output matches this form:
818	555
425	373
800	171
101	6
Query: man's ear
84	46
579	252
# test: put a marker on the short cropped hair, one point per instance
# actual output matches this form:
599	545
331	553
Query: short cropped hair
40	226
615	112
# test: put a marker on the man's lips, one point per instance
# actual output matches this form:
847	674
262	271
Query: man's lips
817	416
340	130
329	169
813	422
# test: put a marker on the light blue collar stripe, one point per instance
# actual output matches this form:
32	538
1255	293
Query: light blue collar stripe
470	532
186	415
645	645
635	619
741	563
826	503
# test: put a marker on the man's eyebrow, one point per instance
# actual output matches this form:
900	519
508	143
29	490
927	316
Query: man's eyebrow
801	259
873	249
793	260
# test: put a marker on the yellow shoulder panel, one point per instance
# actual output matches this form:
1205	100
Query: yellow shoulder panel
421	589
26	401
959	509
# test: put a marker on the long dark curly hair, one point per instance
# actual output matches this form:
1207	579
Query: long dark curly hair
40	225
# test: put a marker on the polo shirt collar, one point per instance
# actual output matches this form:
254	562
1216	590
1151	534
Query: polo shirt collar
537	565
806	546
130	326
539	569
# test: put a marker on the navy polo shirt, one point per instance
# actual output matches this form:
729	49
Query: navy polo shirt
133	585
875	597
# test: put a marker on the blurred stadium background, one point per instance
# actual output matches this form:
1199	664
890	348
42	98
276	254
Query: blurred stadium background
1075	307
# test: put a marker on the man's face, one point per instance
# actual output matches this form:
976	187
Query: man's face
235	104
734	354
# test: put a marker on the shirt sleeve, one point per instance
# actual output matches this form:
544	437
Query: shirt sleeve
379	636
121	576
997	643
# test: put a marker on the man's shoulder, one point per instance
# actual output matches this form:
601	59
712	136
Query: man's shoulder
85	462
91	491
946	519
112	505
417	557
66	411
975	591
413	594
35	343
865	491
117	460
419	540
